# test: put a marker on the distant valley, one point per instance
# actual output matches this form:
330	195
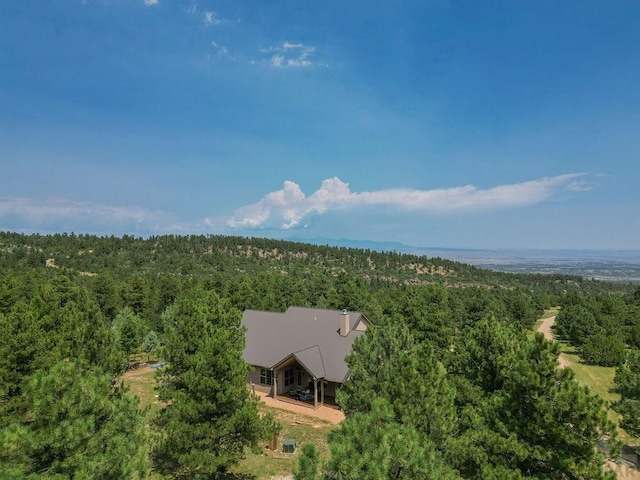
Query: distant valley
610	265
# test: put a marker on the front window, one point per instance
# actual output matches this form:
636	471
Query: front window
266	376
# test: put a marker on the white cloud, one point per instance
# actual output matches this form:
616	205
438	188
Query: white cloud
60	213
289	55
193	8
210	19
287	208
220	50
149	3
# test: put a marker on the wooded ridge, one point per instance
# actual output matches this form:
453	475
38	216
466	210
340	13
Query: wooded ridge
492	404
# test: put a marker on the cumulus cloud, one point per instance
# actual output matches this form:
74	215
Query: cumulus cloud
288	207
289	55
149	3
62	214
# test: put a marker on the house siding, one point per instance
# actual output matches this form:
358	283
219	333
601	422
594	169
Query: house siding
361	326
253	380
330	389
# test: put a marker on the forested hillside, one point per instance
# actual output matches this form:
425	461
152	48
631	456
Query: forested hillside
456	374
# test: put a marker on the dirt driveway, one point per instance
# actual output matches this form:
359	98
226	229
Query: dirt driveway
545	329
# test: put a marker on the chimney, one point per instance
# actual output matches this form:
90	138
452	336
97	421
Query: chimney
344	323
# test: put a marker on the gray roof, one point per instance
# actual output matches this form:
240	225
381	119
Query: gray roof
310	335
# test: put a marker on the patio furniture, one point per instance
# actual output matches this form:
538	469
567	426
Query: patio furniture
305	396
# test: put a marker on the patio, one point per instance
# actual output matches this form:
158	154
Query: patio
329	413
306	401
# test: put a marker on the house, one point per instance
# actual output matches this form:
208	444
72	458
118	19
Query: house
299	349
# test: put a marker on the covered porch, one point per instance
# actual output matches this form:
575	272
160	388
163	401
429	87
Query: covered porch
299	377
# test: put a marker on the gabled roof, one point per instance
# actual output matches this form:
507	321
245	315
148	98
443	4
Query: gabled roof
310	358
310	335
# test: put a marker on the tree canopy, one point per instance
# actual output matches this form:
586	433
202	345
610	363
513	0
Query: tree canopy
518	412
627	382
454	374
80	425
212	415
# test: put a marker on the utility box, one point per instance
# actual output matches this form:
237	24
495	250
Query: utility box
289	446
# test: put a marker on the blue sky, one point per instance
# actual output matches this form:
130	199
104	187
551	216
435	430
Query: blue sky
470	124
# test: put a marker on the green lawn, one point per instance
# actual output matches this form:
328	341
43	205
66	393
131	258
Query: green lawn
598	379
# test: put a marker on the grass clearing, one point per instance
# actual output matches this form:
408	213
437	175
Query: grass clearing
598	379
141	382
550	312
262	463
267	463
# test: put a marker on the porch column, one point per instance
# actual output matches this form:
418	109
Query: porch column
315	393
275	383
321	392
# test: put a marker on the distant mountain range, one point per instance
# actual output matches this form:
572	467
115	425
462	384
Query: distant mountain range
611	265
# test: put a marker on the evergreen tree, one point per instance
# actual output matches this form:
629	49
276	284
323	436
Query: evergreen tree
374	446
79	425
60	322
518	412
127	328
212	416
105	292
150	343
627	381
604	350
387	363
308	463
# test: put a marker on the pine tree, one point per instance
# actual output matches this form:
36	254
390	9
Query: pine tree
374	446
388	363
79	425
150	343
212	416
627	381
399	408
60	322
308	463
519	413
127	328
